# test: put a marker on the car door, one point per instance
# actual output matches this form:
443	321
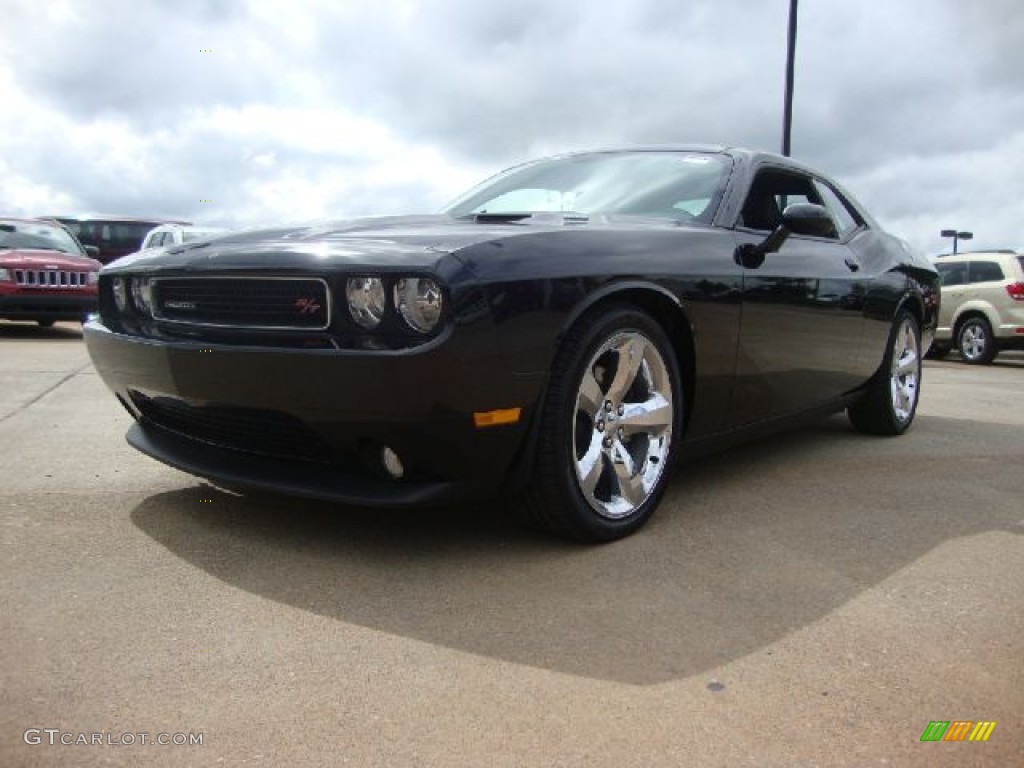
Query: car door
802	308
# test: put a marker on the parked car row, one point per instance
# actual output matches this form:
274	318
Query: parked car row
49	265
113	236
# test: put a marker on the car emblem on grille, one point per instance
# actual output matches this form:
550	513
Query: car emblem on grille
174	304
307	306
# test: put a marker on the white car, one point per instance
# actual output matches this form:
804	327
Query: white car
175	234
982	310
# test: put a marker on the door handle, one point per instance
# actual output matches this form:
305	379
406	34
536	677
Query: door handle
852	263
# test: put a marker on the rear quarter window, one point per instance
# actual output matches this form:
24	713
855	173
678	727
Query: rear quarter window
986	272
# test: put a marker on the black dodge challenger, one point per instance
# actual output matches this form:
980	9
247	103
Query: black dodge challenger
563	331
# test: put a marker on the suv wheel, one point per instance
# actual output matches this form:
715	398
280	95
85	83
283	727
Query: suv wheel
975	341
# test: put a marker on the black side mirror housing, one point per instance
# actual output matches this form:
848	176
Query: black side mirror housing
752	256
92	250
809	219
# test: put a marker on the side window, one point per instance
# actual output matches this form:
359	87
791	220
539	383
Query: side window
772	191
952	273
985	272
844	216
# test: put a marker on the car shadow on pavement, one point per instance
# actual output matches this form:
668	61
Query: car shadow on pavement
747	547
34	332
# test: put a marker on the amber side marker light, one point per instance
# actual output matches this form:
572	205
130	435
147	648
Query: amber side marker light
496	418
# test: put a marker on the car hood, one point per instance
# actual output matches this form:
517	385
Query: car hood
30	258
417	242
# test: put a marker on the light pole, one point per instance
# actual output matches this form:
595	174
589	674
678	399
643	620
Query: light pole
787	119
957	236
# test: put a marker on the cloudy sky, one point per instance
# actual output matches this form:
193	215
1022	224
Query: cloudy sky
258	112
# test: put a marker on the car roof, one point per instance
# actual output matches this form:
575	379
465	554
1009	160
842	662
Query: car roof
41	220
186	227
155	220
741	153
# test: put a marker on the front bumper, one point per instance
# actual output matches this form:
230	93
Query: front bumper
314	422
33	305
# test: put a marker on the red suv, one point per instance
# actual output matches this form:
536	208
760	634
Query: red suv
46	275
114	236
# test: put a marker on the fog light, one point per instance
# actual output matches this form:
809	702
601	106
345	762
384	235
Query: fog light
392	463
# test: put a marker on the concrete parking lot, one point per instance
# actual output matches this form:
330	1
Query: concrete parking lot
814	599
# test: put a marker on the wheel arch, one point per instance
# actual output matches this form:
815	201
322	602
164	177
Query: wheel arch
667	311
969	310
913	303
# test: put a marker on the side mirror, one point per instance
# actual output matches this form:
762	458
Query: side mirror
752	256
809	219
92	250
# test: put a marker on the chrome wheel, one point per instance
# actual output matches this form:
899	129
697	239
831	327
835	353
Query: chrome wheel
906	371
974	341
622	424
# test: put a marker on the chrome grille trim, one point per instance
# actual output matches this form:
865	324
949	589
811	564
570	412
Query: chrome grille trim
50	278
157	315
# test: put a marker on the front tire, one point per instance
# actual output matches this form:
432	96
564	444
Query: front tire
608	428
975	341
45	323
890	402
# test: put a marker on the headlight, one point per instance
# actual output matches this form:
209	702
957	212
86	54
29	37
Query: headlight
94	278
5	275
142	294
366	302
120	294
419	302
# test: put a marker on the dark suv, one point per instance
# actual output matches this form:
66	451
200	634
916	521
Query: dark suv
115	236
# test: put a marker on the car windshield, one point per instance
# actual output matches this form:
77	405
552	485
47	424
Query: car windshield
679	185
42	237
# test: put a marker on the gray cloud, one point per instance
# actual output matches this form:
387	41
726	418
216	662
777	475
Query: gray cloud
930	89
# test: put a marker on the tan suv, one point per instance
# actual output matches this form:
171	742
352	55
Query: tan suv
982	308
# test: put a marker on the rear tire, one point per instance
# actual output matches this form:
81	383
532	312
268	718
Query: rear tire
608	428
975	341
890	401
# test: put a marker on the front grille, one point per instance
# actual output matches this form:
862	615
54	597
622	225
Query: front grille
262	303
252	430
51	278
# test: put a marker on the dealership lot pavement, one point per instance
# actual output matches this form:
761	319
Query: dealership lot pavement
815	599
